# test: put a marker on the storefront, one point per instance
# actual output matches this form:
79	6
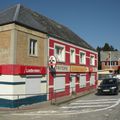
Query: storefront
22	85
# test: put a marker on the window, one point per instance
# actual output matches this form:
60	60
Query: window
72	55
92	60
60	53
33	47
82	58
116	62
82	80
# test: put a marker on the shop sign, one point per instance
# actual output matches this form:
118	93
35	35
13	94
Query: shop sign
62	68
22	70
31	70
34	70
79	69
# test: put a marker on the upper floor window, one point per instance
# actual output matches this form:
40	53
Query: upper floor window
82	58
92	60
72	55
33	47
60	53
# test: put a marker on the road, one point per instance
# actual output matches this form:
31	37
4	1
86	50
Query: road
90	107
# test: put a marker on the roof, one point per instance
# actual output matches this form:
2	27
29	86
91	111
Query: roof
26	17
110	55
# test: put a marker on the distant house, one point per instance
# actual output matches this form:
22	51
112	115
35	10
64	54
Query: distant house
41	59
110	60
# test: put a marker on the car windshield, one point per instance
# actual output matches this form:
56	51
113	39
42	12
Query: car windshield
109	81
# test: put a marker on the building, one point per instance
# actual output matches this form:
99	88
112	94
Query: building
110	60
41	59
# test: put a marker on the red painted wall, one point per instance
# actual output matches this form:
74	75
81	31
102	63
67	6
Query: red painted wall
52	42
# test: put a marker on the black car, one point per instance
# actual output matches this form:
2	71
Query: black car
109	85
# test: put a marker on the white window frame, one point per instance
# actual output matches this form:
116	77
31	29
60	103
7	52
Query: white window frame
92	60
33	47
82	83
72	55
82	60
61	57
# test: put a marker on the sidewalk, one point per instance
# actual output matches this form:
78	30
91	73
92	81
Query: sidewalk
49	105
62	100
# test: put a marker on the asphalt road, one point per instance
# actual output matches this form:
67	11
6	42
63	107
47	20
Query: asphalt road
90	107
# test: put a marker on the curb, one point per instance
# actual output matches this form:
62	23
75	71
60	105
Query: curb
64	100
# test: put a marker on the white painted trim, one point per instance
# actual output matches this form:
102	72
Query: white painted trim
51	48
79	58
72	45
74	55
62	46
91	55
67	52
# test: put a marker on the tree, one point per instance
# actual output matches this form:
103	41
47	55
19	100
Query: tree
108	47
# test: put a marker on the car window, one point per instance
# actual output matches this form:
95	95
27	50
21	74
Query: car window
109	81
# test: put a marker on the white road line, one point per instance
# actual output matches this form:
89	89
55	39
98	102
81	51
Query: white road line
83	103
97	100
70	112
85	106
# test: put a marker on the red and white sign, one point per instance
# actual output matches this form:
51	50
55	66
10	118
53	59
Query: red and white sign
22	70
52	62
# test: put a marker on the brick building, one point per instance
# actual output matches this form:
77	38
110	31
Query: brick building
110	60
27	41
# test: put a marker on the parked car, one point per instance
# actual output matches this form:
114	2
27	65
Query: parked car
103	74
109	85
117	76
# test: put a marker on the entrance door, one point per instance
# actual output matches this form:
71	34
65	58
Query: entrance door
72	84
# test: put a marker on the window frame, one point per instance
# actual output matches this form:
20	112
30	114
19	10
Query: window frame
82	63
93	61
72	58
63	52
33	47
82	84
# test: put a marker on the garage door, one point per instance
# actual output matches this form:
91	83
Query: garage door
33	85
59	84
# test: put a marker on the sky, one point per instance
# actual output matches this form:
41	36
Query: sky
95	21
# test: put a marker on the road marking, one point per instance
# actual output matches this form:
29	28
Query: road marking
78	103
83	109
86	106
97	100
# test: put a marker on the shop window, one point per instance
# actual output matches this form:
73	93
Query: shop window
33	47
92	60
82	81
72	55
60	53
82	58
